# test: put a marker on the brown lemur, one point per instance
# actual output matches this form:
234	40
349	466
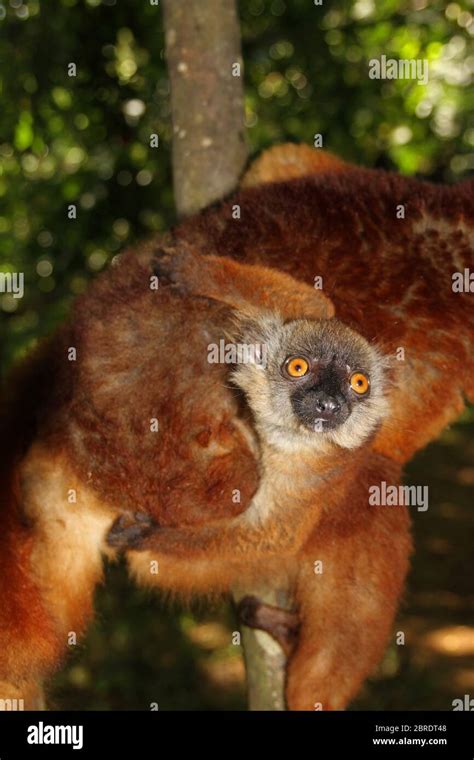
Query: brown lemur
318	392
121	411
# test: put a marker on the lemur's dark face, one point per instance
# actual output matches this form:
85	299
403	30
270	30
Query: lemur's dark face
320	381
324	389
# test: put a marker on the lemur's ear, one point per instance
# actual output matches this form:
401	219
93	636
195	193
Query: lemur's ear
252	325
280	294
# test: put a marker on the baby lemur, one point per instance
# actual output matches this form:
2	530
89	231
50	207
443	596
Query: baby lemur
318	392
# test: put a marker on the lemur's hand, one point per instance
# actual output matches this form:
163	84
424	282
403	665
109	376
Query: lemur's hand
178	266
282	625
138	531
130	530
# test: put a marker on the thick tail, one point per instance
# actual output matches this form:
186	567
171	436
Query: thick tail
28	641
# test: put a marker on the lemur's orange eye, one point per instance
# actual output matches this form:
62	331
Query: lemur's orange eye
359	383
297	366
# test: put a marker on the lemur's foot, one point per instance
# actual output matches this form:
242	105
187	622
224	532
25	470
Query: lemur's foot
130	529
177	265
281	624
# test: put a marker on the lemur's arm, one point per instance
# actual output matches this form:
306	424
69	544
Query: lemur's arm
243	287
266	528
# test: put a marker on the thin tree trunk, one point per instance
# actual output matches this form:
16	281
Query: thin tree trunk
209	154
205	70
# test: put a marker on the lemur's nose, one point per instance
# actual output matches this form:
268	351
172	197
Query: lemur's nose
326	405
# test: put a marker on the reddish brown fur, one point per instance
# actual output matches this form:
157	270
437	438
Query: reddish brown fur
390	279
27	639
141	354
321	512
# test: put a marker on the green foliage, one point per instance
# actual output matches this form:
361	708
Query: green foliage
85	140
81	140
307	73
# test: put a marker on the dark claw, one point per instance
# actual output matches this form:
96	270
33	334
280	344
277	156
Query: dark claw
164	264
281	624
129	530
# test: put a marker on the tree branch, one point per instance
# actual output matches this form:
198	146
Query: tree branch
209	154
203	54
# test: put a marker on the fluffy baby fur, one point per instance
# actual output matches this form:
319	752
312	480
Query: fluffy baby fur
88	426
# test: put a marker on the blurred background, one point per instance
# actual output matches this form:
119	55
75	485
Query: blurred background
85	140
